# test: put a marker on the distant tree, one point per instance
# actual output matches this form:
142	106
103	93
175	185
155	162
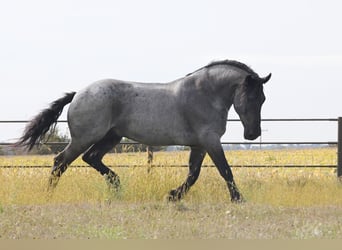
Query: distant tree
54	135
136	147
125	148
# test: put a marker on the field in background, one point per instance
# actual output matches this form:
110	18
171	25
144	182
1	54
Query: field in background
320	156
281	202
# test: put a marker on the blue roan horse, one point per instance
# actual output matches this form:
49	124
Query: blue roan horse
190	111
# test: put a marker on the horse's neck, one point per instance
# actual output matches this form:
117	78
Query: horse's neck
224	88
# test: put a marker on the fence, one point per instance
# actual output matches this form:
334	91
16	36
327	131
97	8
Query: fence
338	142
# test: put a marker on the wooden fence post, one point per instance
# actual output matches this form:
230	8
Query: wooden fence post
149	155
339	149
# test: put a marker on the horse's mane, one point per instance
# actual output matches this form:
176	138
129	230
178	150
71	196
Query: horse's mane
229	63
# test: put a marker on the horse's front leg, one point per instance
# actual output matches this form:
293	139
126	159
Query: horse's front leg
195	162
216	153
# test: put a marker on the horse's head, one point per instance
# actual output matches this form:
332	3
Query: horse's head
248	99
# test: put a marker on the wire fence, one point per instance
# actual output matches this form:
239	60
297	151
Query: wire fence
337	143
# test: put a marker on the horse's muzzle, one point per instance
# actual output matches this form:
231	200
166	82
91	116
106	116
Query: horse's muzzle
252	135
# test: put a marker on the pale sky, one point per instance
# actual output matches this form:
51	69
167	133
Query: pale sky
51	47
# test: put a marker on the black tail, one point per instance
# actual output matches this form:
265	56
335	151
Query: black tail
37	128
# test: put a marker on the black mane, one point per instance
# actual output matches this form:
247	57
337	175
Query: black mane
229	63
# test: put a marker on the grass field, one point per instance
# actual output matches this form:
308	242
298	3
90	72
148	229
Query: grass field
284	203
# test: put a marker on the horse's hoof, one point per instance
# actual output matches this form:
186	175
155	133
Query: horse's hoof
52	183
173	196
113	182
238	200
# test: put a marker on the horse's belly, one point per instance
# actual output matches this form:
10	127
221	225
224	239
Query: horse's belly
161	131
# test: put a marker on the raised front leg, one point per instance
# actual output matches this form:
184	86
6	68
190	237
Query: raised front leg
195	162
216	153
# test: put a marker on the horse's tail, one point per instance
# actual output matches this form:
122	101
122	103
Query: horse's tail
36	129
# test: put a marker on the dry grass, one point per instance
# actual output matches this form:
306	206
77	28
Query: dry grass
281	203
122	220
321	156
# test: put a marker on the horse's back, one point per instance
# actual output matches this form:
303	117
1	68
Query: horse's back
146	112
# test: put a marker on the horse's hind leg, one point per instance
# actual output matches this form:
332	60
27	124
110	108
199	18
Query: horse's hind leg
196	158
62	161
95	154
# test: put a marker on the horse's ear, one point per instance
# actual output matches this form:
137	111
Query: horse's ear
266	78
252	79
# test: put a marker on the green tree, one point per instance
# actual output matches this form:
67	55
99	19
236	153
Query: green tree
53	136
136	147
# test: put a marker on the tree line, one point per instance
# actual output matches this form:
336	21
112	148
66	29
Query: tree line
56	136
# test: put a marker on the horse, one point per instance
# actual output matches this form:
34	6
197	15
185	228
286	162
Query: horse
190	111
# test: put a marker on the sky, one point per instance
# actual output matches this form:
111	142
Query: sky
48	48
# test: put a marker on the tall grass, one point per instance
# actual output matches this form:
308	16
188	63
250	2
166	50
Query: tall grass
295	187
